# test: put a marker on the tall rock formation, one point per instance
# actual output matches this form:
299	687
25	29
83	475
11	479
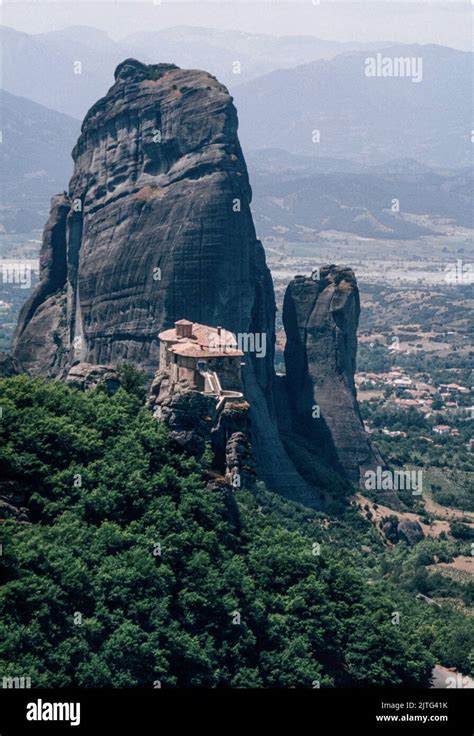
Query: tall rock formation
155	227
320	316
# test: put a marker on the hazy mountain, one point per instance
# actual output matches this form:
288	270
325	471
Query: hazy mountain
286	164
289	190
42	66
301	202
35	160
217	51
367	119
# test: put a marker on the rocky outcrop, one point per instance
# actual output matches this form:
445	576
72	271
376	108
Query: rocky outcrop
232	445
410	531
86	376
188	414
320	316
40	339
156	226
9	366
396	530
240	465
197	425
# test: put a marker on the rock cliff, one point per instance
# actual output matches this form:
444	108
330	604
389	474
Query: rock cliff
320	316
155	227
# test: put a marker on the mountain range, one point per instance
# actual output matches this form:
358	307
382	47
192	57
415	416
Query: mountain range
30	59
380	139
299	197
292	194
332	109
35	160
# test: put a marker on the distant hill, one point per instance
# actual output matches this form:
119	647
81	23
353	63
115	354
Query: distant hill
299	197
367	119
28	60
35	160
217	51
41	67
289	190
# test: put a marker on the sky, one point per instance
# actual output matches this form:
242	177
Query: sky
448	23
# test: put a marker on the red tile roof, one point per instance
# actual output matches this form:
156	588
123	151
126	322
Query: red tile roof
206	342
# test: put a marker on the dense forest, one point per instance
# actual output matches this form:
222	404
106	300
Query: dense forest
131	572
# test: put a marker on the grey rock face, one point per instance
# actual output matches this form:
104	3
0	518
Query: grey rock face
9	366
85	376
196	424
320	317
410	531
232	446
240	466
189	415
40	337
155	227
